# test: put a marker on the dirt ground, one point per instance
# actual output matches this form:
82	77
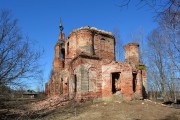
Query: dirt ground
116	110
90	110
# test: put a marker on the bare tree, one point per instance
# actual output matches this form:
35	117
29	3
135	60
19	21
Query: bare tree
157	56
119	44
171	29
138	37
40	82
158	6
18	60
162	60
170	24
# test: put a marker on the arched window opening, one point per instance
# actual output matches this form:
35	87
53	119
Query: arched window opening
62	54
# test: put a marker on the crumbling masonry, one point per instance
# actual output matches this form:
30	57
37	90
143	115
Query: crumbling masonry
84	67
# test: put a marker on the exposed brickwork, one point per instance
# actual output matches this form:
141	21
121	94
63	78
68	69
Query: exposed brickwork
84	67
132	53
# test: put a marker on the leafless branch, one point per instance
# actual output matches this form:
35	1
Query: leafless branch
17	59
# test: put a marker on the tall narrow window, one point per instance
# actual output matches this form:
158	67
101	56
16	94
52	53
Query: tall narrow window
68	48
62	56
75	83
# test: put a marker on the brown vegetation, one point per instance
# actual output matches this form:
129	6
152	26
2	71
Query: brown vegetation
57	109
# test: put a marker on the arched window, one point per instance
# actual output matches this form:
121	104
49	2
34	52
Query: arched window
62	54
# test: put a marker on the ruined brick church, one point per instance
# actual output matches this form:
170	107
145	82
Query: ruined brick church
84	67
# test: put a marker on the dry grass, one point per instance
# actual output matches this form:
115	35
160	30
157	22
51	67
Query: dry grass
55	109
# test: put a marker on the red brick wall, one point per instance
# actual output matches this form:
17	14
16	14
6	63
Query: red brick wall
90	42
104	46
88	73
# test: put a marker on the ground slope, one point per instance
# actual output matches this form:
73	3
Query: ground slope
56	108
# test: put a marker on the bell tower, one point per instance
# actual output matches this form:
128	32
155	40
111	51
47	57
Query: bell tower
59	51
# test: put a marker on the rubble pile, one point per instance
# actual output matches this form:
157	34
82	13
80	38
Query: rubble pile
48	104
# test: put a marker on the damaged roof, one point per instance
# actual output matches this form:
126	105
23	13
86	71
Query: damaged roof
94	30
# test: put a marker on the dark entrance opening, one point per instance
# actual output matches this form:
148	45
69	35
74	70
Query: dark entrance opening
75	84
62	56
115	79
134	82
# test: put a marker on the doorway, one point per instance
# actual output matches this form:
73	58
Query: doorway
134	82
115	81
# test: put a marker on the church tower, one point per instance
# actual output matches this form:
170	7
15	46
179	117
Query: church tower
59	51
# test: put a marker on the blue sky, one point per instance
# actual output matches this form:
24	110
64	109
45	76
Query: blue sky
39	19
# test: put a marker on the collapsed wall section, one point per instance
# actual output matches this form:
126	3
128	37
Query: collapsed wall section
120	78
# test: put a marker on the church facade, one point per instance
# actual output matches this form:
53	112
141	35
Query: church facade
84	67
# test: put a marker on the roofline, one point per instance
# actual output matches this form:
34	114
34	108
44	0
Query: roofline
93	29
